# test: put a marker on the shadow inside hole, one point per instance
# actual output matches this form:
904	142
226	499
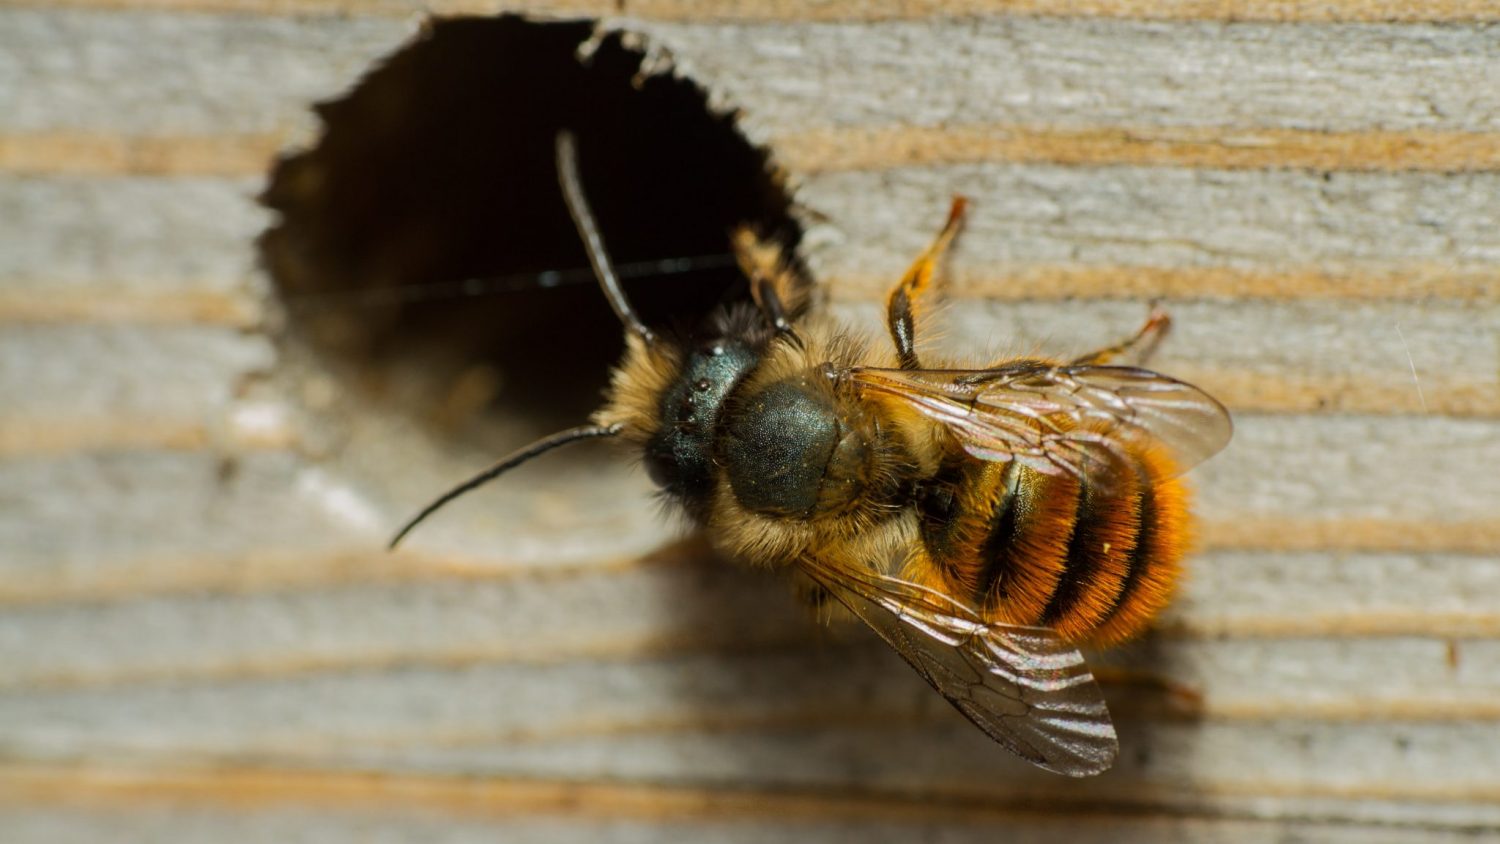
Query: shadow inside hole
438	168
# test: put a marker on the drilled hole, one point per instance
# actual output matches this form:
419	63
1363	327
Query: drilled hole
419	244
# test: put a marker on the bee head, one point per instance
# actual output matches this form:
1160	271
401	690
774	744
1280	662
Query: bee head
679	455
667	394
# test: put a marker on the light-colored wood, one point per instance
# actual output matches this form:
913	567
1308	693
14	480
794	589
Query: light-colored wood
822	150
201	637
1207	223
1367	11
70	804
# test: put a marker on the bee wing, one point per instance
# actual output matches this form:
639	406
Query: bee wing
1024	686
1079	419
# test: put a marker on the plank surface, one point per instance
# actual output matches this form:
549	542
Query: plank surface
1059	71
1161	217
176	376
274	804
1023	215
524	632
129	234
201	632
720	11
1065	90
180	73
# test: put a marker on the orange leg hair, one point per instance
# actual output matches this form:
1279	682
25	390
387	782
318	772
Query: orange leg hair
773	284
1138	348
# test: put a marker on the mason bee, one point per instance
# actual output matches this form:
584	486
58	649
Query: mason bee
984	521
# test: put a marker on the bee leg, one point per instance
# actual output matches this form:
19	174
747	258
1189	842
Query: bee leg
764	293
1138	348
901	304
771	279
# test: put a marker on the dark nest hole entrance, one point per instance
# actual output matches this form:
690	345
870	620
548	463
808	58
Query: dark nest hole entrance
423	247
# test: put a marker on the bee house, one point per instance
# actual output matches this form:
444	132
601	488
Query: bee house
275	274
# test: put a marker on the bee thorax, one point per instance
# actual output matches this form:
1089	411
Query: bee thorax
789	451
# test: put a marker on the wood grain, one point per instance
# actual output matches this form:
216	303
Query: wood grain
200	631
1235	80
376	623
128	232
90	153
263	802
1286	11
1188	233
1082	74
874	148
1158	217
822	150
203	74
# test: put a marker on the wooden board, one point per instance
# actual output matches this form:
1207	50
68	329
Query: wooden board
200	636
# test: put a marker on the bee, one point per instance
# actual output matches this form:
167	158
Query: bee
984	521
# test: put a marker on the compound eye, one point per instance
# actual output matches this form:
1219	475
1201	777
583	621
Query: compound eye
660	468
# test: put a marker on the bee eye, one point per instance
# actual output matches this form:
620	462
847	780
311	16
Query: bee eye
660	468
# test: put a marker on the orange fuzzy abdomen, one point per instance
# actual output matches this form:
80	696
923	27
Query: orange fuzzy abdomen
1095	562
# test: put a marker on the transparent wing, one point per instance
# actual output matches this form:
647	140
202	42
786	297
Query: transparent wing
1025	687
1076	419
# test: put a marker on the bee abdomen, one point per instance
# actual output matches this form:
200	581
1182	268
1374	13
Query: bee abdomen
997	537
1101	554
1022	560
1094	563
1155	562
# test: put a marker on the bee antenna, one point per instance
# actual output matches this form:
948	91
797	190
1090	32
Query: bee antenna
588	231
510	461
